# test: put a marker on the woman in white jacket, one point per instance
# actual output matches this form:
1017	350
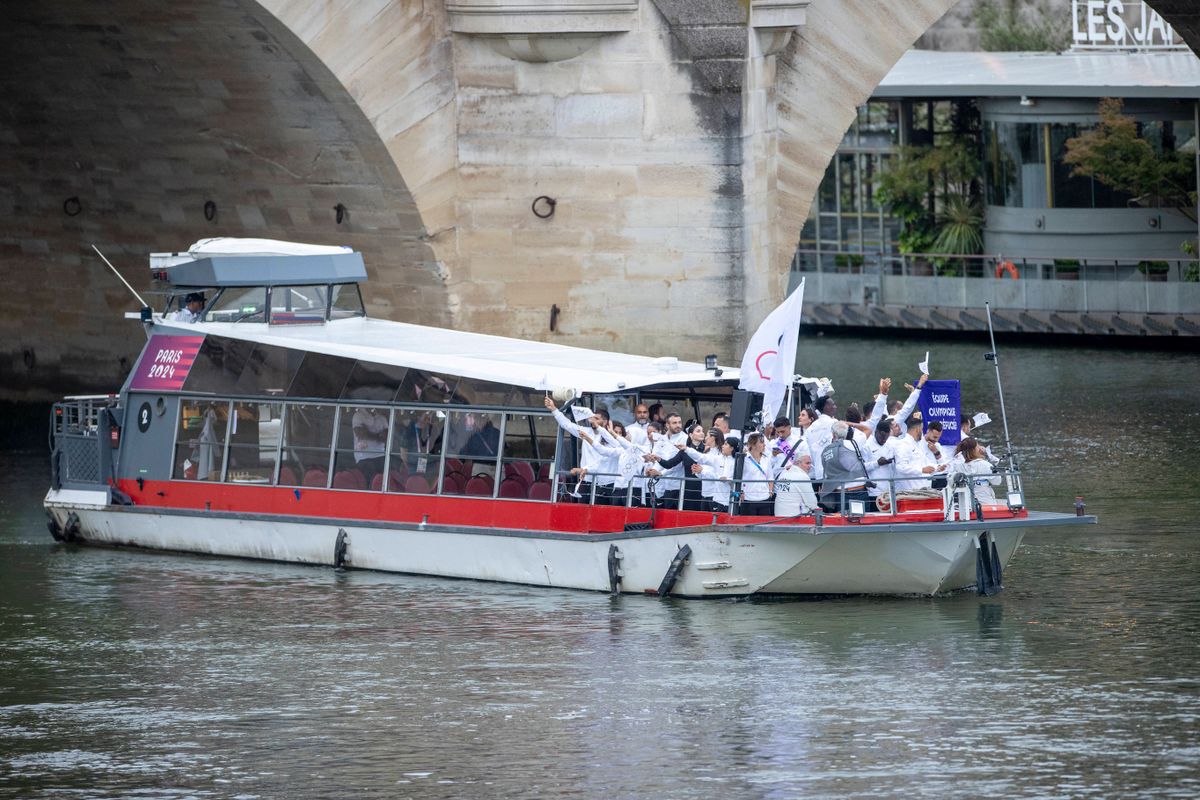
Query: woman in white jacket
716	468
976	466
758	487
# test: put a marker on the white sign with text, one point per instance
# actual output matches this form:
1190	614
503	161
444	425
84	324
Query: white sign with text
1120	24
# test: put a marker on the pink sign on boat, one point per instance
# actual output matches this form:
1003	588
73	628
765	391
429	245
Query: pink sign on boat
165	363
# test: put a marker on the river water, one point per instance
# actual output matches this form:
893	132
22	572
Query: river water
137	674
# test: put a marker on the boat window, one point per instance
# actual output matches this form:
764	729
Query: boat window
426	387
218	365
321	376
369	381
307	436
200	440
471	391
346	302
239	304
619	406
254	432
473	449
416	455
269	370
298	305
361	447
528	456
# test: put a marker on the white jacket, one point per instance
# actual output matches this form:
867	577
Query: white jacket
794	495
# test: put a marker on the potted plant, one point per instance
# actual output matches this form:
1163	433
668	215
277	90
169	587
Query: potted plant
1154	270
1066	269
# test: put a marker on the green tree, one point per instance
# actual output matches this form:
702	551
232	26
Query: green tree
1003	27
933	192
1114	154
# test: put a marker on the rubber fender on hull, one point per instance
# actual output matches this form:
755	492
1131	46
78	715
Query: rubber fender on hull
340	546
668	581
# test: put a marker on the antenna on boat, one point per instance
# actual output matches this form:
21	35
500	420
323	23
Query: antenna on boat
121	277
992	357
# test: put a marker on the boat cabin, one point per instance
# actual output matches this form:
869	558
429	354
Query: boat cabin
283	381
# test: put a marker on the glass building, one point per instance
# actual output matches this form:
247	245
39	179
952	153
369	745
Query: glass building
1018	110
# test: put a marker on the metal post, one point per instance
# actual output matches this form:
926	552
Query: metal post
995	359
1083	276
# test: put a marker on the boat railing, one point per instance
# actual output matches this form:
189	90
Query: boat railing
956	492
84	433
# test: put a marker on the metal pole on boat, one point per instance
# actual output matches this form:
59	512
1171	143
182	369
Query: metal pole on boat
994	358
121	278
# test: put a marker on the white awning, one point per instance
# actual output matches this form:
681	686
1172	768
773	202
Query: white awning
232	246
535	365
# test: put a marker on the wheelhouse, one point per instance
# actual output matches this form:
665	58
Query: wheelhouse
313	288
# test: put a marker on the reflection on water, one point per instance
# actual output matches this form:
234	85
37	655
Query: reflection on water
126	671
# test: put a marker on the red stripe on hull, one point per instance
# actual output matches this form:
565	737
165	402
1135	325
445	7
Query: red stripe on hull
441	510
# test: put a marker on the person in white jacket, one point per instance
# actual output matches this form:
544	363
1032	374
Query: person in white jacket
794	495
978	469
716	470
597	462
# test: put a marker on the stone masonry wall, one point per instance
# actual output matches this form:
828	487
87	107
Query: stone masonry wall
144	111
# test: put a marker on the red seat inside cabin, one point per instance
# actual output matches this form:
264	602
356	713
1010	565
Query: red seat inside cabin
479	486
454	483
514	489
349	479
416	484
316	477
520	471
540	491
287	476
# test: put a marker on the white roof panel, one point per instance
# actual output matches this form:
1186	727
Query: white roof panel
536	365
930	73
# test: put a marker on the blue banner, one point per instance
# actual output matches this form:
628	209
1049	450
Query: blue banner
940	400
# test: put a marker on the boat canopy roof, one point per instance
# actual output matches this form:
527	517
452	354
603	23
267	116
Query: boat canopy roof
228	261
534	365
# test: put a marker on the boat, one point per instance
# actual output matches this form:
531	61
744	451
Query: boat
286	424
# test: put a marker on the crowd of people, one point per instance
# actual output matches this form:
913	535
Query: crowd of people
820	462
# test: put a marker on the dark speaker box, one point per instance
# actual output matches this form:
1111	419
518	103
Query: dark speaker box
745	406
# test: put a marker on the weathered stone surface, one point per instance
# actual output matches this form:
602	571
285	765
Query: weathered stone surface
146	111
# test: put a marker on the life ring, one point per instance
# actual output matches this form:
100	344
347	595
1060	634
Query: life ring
1009	267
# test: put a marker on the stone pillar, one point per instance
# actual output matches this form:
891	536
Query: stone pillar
652	127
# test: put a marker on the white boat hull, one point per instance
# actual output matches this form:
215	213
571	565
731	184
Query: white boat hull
723	560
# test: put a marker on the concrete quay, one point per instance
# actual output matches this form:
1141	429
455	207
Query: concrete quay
1065	323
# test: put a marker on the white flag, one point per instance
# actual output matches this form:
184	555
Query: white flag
770	358
924	365
980	419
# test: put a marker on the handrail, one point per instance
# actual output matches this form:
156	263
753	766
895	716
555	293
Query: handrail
736	487
1085	268
1046	259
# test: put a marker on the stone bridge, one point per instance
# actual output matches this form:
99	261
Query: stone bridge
680	142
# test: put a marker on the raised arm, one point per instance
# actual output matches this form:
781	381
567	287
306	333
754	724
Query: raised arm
911	402
561	419
881	401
